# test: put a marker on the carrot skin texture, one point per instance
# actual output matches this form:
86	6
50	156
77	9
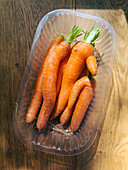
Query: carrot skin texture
49	81
92	65
78	86
82	104
60	73
38	95
81	107
74	67
43	115
65	116
62	69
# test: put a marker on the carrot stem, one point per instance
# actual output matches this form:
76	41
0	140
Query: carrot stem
100	59
62	35
92	35
73	34
90	76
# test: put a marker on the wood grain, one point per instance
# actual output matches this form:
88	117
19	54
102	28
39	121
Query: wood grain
112	150
18	22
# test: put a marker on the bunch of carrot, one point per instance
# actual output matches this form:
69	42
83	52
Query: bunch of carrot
65	81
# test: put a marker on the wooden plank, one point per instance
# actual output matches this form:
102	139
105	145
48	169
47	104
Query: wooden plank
18	22
112	150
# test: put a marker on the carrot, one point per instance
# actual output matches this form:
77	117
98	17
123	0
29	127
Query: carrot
50	76
37	95
78	86
65	116
76	62
62	69
82	104
92	65
60	73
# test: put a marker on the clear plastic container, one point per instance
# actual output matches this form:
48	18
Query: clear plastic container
56	22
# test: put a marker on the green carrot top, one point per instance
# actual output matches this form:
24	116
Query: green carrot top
92	35
62	35
74	34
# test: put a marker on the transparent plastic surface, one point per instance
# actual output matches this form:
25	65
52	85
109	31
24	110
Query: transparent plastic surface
56	22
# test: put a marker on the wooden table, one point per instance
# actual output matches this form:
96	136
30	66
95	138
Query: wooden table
18	22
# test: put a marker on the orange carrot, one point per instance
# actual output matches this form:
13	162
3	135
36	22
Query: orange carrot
50	76
92	65
65	116
60	73
37	95
78	86
76	62
49	81
62	69
82	104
